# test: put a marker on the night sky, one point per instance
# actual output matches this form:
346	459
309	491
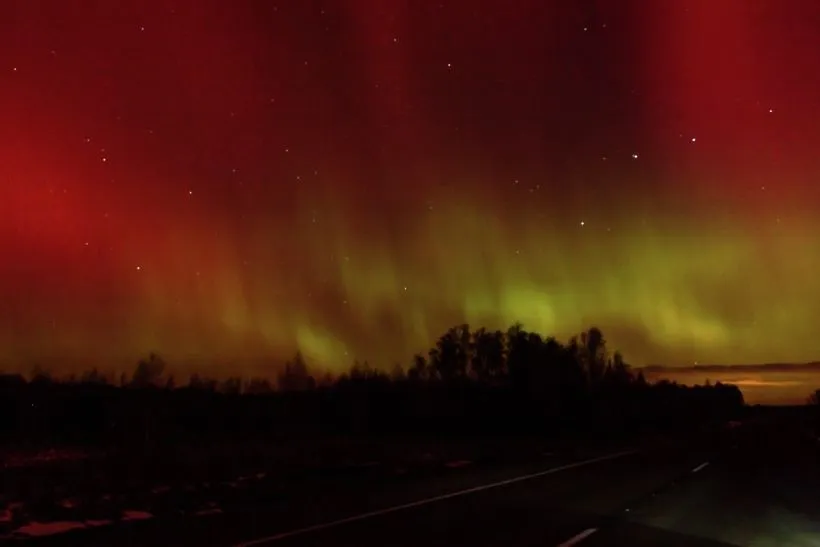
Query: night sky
225	182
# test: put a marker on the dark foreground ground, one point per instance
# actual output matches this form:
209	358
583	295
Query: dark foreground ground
752	485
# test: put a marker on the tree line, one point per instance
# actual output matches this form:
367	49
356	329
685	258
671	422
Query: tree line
470	382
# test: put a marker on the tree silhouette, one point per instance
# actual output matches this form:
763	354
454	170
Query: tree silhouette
488	356
419	370
517	354
93	376
617	371
199	383
595	356
397	374
445	358
39	375
148	372
231	386
476	382
640	379
258	386
295	376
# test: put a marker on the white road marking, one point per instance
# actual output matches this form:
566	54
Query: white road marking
578	538
701	466
426	501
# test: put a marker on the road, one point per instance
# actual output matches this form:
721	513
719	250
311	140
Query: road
755	486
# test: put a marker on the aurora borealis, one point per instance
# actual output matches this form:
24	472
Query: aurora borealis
226	182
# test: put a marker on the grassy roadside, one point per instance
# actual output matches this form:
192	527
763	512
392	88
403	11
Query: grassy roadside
105	486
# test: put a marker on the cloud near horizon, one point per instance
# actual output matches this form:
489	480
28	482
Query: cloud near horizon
770	383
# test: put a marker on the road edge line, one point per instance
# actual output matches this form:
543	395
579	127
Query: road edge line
701	466
426	501
578	538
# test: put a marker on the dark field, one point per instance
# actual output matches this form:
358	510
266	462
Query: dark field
482	405
656	490
81	485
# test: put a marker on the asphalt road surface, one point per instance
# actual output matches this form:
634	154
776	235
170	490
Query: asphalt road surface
755	485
